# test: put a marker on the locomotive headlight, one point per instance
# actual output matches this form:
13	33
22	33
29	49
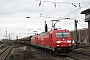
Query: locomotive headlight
62	39
69	44
58	41
68	41
58	45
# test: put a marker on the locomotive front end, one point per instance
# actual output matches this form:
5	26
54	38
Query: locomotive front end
63	41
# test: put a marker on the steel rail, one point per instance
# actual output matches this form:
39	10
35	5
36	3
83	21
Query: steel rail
4	50
8	53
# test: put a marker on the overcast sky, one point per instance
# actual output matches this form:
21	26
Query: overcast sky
13	15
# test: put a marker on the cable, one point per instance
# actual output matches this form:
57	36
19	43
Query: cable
77	9
40	15
54	7
61	2
42	10
5	20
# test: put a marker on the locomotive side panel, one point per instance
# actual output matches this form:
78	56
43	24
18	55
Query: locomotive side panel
46	40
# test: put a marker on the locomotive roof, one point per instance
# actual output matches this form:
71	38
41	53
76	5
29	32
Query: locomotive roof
53	31
59	30
25	38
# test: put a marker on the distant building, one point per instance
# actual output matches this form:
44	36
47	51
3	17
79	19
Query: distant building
82	35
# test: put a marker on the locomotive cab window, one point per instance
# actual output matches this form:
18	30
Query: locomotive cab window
62	34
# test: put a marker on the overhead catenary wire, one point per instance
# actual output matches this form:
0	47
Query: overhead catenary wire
40	14
35	18
43	6
77	9
4	19
62	2
6	29
48	1
50	11
56	5
76	6
67	2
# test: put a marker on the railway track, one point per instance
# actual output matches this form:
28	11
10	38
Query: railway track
80	54
85	52
4	49
76	55
4	53
39	54
2	46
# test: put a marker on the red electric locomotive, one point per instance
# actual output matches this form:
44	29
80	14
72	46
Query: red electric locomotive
54	40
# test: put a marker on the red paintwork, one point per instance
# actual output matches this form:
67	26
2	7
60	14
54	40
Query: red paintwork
46	41
33	40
